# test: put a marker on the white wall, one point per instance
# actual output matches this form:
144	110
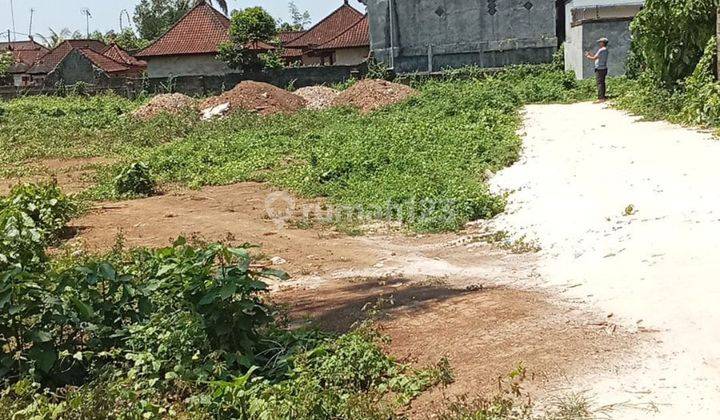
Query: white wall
186	65
351	56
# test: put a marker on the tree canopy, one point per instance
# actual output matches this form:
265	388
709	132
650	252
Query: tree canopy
248	27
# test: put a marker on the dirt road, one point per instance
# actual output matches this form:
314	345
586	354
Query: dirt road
628	216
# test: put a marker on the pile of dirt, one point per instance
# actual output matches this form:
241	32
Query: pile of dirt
175	104
318	97
371	94
263	98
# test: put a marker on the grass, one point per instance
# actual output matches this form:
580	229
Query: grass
423	162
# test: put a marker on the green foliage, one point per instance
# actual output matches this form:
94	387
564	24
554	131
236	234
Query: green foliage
175	313
299	20
249	27
349	377
135	180
31	218
6	60
423	162
671	36
181	331
128	40
693	101
154	17
52	127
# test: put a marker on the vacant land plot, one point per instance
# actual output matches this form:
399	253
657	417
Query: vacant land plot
197	325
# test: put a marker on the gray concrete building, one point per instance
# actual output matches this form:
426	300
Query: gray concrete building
431	35
586	21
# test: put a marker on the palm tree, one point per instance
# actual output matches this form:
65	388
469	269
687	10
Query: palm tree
55	38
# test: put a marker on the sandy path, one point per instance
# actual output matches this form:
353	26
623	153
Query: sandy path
658	268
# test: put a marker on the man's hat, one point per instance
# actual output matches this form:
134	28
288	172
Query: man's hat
604	40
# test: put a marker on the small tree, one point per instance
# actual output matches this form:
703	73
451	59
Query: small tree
6	60
299	19
248	28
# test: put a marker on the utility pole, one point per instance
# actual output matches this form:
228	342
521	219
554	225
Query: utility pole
32	12
88	15
12	17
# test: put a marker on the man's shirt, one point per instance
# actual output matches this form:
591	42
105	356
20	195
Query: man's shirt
601	63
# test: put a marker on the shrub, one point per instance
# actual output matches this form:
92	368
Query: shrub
671	35
135	180
31	217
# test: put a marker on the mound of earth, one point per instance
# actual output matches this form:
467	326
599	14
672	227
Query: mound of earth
371	94
318	97
175	104
263	98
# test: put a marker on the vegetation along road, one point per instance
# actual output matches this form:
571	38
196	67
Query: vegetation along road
625	212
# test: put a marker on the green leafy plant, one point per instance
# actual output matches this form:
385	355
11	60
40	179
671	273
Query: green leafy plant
135	180
31	218
671	36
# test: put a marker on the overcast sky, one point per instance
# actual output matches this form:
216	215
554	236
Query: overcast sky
58	14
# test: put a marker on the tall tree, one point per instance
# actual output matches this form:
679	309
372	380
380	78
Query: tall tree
154	17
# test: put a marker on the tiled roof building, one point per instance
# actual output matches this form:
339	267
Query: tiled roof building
341	38
190	47
83	60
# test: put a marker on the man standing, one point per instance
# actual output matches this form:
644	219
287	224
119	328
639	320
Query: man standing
601	67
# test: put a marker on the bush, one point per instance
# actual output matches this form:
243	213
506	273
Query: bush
31	218
135	180
180	330
671	36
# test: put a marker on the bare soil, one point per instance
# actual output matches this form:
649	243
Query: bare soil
262	98
371	94
437	295
173	103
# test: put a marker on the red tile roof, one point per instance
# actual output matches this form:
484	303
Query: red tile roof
121	56
288	36
102	62
356	36
49	61
25	54
200	31
327	29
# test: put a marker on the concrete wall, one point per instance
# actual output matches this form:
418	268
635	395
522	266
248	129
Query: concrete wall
186	65
487	33
590	20
297	76
351	56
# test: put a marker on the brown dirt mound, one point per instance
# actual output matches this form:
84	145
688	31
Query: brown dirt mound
263	98
371	94
318	97
175	104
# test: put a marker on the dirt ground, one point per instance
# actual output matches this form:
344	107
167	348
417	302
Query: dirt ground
436	294
73	175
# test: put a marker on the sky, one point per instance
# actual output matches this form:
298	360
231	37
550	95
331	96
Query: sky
58	14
